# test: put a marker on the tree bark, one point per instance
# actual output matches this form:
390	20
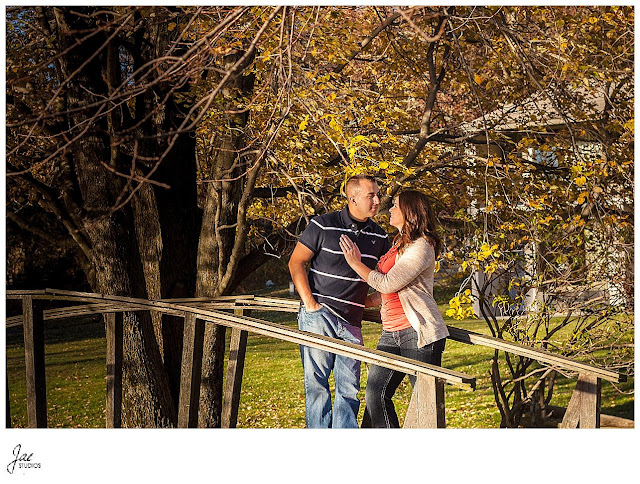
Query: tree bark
222	223
147	248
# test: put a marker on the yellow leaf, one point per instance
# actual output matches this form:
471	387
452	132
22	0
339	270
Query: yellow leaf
478	79
383	165
582	197
581	180
171	26
303	124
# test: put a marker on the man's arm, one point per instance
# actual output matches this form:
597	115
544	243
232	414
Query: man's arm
300	256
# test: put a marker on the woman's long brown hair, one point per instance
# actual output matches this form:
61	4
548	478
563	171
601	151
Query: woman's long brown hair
419	220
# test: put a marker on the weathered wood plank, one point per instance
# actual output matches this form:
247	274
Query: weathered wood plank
572	415
583	410
406	365
290	305
235	369
33	323
590	386
411	417
18	293
429	406
191	372
8	406
114	332
101	308
540	355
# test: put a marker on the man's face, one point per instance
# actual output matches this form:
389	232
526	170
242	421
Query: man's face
366	202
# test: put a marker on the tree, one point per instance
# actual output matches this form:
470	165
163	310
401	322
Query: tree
183	147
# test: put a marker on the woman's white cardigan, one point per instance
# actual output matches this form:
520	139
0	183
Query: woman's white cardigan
412	278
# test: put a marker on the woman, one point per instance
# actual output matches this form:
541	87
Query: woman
412	325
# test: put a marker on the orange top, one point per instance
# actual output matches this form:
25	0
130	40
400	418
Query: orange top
391	312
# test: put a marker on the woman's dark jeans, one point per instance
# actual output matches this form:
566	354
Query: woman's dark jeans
383	382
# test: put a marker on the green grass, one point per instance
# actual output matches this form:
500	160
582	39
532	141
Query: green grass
272	388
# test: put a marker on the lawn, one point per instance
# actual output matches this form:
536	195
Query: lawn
272	389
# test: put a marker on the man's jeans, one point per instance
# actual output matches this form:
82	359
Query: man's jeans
383	382
317	366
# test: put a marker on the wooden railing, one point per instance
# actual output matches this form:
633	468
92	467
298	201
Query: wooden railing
426	408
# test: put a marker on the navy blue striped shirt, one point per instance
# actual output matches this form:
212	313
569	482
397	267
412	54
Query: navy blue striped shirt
333	283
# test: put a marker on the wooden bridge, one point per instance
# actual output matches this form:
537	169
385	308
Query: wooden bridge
426	408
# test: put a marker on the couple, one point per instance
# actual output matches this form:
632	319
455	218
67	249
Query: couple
343	248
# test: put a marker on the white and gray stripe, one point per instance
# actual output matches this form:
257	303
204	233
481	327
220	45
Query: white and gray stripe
341	253
349	230
335	276
337	299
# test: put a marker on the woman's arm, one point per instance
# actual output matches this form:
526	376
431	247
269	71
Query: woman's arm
415	259
413	262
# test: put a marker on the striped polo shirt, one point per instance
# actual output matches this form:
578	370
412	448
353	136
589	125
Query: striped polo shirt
333	283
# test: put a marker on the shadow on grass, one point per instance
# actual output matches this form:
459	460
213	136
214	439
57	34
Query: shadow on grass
63	331
624	410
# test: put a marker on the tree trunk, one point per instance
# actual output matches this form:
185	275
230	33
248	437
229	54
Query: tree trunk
129	253
222	223
169	216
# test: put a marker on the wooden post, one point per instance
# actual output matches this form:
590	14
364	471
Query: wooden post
114	330
33	321
191	372
8	408
583	410
426	408
235	369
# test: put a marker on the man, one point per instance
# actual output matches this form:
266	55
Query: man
333	297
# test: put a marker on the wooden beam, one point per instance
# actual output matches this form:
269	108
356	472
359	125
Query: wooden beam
426	407
543	356
33	324
191	372
235	369
101	308
114	331
589	401
285	333
8	407
583	410
291	305
411	417
19	293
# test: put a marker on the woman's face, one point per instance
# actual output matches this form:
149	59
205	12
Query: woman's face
396	217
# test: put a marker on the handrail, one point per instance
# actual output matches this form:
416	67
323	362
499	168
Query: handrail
287	305
367	355
540	355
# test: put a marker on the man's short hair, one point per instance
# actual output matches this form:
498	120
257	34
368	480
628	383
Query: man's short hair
352	186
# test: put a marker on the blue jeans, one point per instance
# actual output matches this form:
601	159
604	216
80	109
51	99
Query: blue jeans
383	382
317	366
